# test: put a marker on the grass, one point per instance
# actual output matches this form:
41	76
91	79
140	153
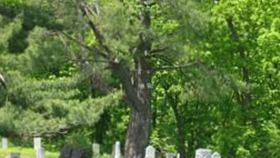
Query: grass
25	153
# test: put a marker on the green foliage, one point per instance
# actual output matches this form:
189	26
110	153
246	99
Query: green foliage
46	94
50	78
80	138
6	122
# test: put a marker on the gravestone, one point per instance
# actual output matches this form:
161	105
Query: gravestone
40	153
117	150
37	143
66	152
170	155
78	153
203	153
150	152
4	143
216	155
96	149
15	155
72	151
178	155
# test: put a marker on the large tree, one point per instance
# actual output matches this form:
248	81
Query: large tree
131	36
136	84
133	39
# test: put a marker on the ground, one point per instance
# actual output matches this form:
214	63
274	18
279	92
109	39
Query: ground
25	153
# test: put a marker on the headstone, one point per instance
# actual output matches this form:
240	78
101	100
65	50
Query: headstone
96	149
37	143
65	152
216	155
40	153
4	143
170	155
78	153
117	150
150	152
72	151
15	155
178	155
203	153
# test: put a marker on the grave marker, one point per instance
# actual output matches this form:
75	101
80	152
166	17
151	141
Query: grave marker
37	143
40	153
170	155
15	155
203	153
4	143
77	153
96	149
150	152
117	150
216	155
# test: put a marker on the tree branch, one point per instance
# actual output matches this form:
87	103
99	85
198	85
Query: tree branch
234	34
191	64
91	49
118	66
158	50
99	36
245	97
123	72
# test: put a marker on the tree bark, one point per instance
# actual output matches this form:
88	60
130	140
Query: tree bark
137	134
180	127
244	97
137	94
180	135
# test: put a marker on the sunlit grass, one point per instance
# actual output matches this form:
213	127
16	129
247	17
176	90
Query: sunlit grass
24	152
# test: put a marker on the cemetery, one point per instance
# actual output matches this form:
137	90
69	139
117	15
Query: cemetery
150	152
139	79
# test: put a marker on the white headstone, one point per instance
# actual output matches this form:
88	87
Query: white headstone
117	150
4	143
37	143
150	152
170	155
203	153
178	155
40	153
216	155
96	149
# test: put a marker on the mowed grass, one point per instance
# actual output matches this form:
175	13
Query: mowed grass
25	153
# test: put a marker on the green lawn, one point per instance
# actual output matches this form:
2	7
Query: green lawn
25	153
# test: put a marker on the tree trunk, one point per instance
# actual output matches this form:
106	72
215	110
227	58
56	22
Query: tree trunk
101	127
180	130
138	134
137	95
181	139
137	137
